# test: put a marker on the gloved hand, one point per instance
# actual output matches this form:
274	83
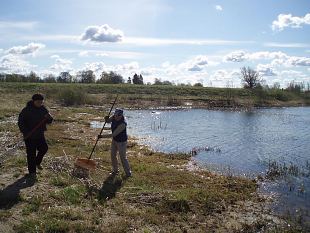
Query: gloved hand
48	116
106	118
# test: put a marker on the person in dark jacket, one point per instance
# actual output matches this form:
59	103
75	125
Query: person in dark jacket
119	141
32	122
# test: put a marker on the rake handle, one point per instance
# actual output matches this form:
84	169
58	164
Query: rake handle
35	128
102	128
30	133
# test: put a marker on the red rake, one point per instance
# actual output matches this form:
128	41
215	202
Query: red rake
87	163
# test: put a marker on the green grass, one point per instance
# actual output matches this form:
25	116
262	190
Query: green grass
33	205
28	226
148	95
62	180
70	195
17	162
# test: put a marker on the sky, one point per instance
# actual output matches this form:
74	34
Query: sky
181	41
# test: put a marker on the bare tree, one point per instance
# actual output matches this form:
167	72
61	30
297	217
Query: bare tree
276	85
296	87
250	77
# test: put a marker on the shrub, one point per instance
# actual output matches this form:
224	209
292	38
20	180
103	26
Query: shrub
281	96
72	96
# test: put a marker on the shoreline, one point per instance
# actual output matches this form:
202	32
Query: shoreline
192	106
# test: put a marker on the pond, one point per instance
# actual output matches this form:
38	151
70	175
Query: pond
262	142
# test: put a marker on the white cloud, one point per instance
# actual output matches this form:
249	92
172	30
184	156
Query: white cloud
267	55
266	70
127	69
83	54
149	71
288	76
197	63
219	7
55	56
102	55
292	73
61	64
26	25
278	58
195	68
291	61
224	78
183	72
201	60
103	33
220	75
31	48
237	56
129	66
97	67
287	20
165	64
299	61
15	64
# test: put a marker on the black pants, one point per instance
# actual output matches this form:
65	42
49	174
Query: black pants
34	158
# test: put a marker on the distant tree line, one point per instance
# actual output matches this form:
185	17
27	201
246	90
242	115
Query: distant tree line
251	80
87	76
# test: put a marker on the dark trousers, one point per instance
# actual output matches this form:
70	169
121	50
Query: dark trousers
34	158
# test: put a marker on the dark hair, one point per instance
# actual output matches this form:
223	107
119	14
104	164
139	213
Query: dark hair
119	112
37	97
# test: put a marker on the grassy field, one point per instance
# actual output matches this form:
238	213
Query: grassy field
167	193
137	96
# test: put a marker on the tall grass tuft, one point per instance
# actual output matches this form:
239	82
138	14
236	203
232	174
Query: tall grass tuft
71	96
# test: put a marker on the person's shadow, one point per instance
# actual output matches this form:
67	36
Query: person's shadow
109	187
10	195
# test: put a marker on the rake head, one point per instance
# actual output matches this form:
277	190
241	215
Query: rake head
85	164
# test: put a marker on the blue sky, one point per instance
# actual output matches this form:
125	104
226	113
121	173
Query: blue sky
181	41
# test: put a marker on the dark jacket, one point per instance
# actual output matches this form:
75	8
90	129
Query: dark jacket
122	136
30	117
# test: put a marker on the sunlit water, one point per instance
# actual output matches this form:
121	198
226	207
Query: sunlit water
238	143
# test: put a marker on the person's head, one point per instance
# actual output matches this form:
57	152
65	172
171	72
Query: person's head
118	114
37	100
